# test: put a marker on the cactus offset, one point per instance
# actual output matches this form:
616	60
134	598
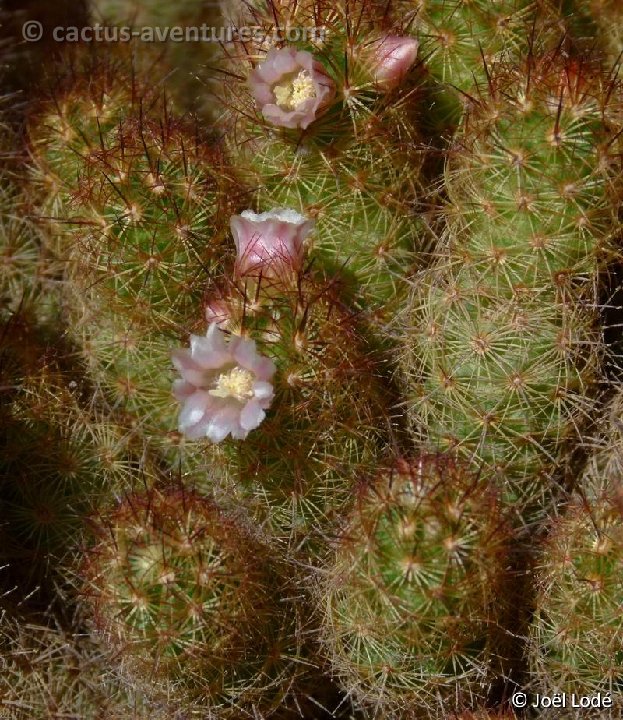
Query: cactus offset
576	633
411	604
183	591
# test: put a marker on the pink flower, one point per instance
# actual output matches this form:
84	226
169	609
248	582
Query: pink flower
291	88
393	58
271	242
225	386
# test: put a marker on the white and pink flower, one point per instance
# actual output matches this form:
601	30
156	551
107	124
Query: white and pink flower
225	387
271	244
291	88
393	57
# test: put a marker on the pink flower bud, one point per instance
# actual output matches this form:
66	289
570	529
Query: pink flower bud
217	311
270	244
393	58
225	387
291	88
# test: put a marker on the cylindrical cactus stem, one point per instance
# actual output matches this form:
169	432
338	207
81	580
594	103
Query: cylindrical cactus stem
413	601
501	341
185	592
577	630
140	224
464	40
296	383
141	195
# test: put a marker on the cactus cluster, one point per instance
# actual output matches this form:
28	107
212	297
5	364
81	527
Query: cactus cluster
303	362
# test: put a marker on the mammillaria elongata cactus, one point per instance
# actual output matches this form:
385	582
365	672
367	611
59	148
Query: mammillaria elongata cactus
411	601
184	592
223	305
325	126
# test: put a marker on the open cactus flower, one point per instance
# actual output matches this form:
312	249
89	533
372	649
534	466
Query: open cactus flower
291	88
271	244
225	386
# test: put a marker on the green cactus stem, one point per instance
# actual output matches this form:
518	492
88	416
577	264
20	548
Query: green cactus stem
185	593
501	344
355	167
411	604
577	632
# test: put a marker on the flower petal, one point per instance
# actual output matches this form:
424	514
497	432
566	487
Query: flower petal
196	432
264	368
224	421
394	57
263	390
275	115
244	353
252	415
284	63
270	242
263	94
188	368
209	352
182	389
182	359
194	409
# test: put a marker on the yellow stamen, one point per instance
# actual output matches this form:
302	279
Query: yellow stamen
237	383
293	92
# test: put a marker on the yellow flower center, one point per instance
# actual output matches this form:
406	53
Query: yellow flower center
237	383
293	92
